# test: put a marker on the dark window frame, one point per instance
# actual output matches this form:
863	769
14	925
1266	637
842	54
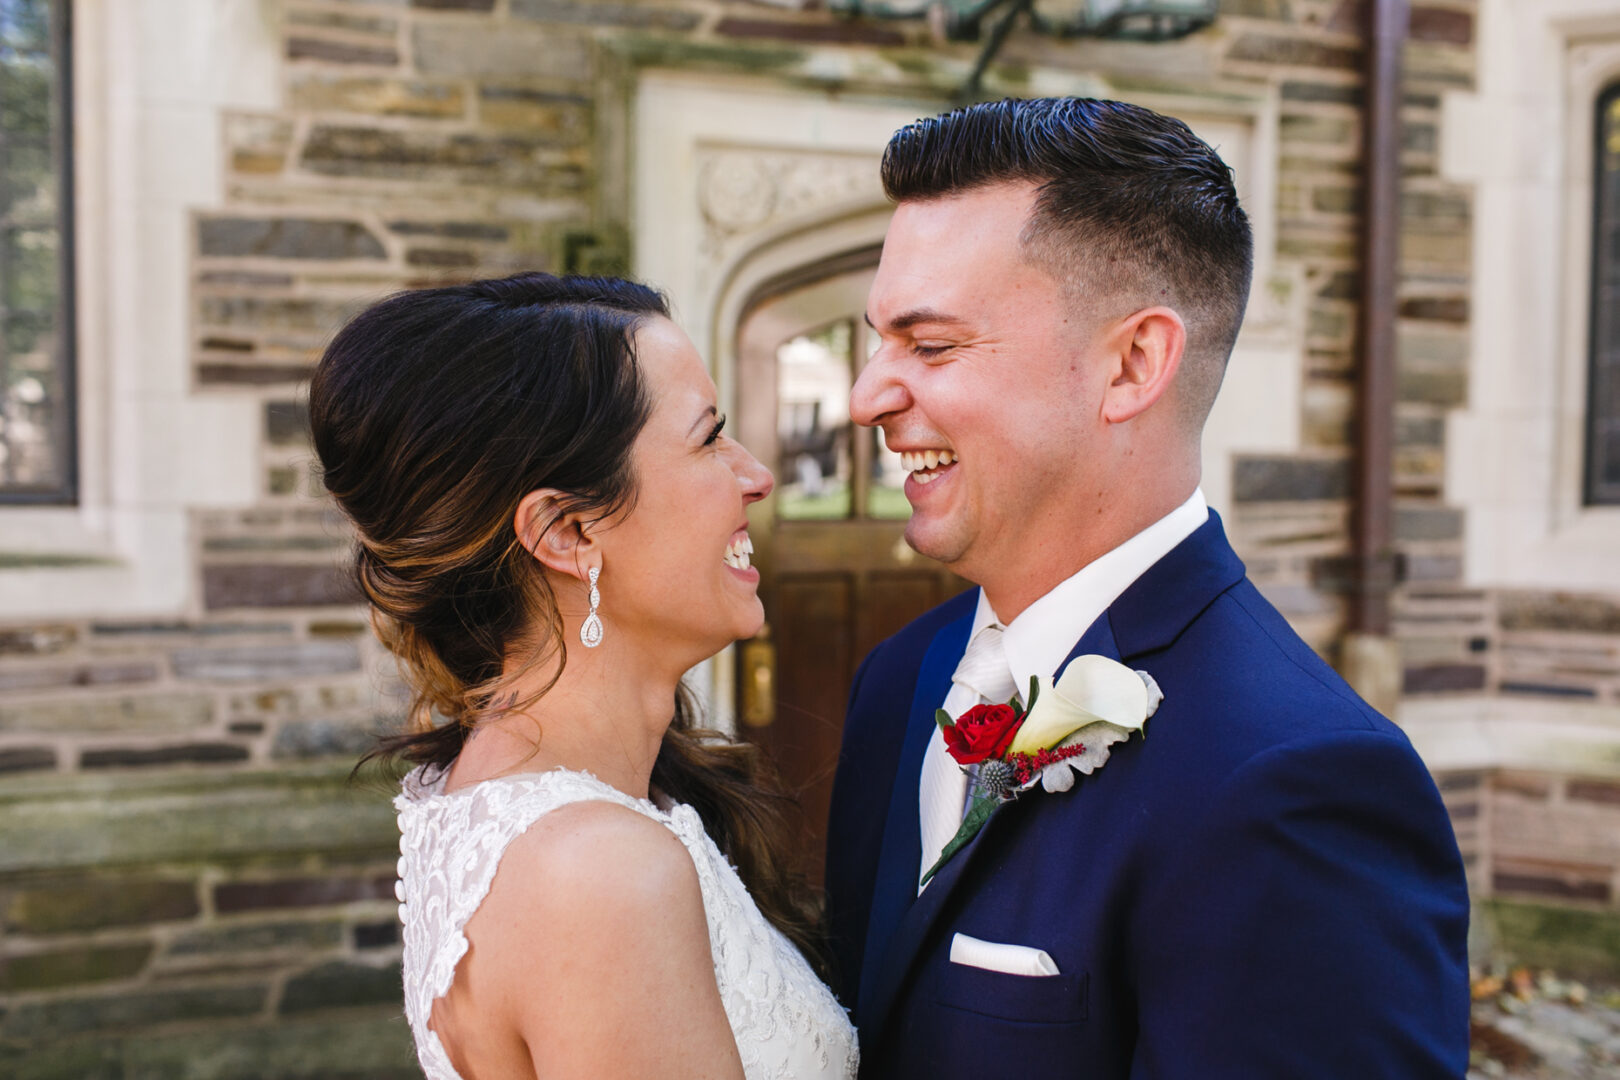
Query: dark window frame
1602	364
66	491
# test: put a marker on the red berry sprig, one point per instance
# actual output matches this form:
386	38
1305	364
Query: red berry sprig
1027	766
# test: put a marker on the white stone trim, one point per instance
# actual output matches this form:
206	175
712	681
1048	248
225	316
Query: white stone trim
1514	455
152	80
1534	734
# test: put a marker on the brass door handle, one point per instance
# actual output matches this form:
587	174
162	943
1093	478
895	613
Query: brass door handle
759	679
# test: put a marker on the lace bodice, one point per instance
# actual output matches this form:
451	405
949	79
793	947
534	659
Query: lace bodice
786	1022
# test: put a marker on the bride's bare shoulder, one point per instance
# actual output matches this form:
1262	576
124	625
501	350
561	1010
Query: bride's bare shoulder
593	947
595	862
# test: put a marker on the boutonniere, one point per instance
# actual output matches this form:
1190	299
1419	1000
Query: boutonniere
1066	727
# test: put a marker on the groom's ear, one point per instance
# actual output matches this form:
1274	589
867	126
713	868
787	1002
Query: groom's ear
560	539
1146	349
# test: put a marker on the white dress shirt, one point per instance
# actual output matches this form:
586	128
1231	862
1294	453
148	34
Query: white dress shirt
1040	638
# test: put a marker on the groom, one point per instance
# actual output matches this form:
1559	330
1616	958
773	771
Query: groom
1262	885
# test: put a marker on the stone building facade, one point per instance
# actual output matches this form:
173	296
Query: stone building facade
190	882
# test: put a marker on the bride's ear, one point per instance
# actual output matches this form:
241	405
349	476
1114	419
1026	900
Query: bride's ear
561	540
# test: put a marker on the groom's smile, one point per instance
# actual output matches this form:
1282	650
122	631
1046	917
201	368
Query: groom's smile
926	466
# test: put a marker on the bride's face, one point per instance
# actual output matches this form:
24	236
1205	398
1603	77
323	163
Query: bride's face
671	569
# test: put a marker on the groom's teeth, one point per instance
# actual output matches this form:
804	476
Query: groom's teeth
917	462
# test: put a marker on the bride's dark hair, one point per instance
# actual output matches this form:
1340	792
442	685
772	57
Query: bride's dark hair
434	413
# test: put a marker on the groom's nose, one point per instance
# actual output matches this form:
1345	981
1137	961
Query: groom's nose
878	393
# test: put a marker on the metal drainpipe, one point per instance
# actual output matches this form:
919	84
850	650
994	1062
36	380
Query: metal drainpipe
1370	659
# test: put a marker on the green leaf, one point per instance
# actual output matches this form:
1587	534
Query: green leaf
943	718
978	814
1034	692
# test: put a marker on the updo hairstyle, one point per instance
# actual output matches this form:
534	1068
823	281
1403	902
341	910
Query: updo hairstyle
434	413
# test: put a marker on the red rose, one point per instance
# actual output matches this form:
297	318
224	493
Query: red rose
984	731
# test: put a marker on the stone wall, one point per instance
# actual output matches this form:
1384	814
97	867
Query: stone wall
190	885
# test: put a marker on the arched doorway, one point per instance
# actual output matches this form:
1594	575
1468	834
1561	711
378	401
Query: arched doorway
836	575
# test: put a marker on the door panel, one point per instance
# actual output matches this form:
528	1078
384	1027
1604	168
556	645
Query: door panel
816	616
836	575
897	597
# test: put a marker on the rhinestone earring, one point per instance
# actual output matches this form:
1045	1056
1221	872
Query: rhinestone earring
590	633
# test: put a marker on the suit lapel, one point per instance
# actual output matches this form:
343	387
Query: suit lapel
1174	591
901	851
1098	639
878	992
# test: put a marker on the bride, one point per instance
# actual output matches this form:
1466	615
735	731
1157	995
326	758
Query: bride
551	531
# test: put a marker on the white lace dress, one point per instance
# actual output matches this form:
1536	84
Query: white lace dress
786	1022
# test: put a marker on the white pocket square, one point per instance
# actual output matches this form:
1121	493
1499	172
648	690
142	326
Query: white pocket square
994	956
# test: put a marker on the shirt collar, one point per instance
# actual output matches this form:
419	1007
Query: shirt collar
1041	637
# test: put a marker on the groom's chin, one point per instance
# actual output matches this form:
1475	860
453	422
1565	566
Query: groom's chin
932	539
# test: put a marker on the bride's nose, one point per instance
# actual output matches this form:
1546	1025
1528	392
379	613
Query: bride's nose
756	480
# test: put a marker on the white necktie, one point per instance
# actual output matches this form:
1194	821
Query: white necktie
982	675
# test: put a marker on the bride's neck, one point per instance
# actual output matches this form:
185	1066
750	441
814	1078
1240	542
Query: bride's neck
605	715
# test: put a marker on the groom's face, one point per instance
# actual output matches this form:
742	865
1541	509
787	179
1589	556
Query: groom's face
985	358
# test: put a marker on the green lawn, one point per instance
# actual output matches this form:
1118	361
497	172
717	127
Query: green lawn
886	503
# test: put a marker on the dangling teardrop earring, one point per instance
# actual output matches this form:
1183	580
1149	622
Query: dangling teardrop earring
590	632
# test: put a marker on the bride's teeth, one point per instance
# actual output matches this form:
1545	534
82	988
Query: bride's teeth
946	457
931	457
737	553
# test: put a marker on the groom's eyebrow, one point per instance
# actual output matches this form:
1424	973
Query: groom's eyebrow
906	320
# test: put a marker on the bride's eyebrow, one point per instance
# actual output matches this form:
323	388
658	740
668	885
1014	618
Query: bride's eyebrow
711	411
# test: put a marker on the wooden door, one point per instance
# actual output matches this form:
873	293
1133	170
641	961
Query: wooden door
836	575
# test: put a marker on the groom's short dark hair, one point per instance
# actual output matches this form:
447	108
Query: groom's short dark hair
1131	204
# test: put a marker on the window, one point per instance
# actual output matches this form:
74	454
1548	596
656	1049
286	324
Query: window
1602	485
36	244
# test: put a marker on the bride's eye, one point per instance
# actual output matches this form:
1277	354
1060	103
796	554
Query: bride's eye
714	435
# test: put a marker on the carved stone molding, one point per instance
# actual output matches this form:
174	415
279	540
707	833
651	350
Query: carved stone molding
746	191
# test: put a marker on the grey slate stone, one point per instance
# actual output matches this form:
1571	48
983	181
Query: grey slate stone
146	714
1266	479
256	662
92	819
481	52
262	585
287	238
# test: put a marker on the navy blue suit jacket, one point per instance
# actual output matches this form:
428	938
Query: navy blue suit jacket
1265	886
